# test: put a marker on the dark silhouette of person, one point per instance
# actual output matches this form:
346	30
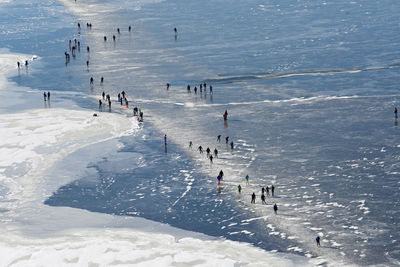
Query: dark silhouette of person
253	198
225	115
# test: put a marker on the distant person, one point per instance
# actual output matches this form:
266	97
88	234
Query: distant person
200	148
232	145
267	189
275	208
126	103
101	80
239	187
219	179
105	38
190	144
253	198
216	153
195	90
395	112
26	63
103	95
91	80
225	115
211	91
18	64
165	139
318	240
87	63
176	31
167	86
263	198
113	37
221	173
188	87
272	190
211	158
118	30
226	139
141	115
129	28
48	96
100	104
87	48
44	96
247	179
208	150
219	138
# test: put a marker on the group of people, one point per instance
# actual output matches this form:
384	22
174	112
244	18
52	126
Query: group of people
46	96
19	64
226	141
123	100
215	152
201	87
263	191
119	32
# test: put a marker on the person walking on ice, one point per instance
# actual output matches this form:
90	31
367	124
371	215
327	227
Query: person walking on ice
225	115
190	144
215	152
395	112
317	240
247	179
275	208
253	198
239	188
221	173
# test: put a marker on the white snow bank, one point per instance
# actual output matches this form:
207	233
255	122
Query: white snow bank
127	247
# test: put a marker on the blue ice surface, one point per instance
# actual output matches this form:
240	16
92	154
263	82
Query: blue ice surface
310	86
